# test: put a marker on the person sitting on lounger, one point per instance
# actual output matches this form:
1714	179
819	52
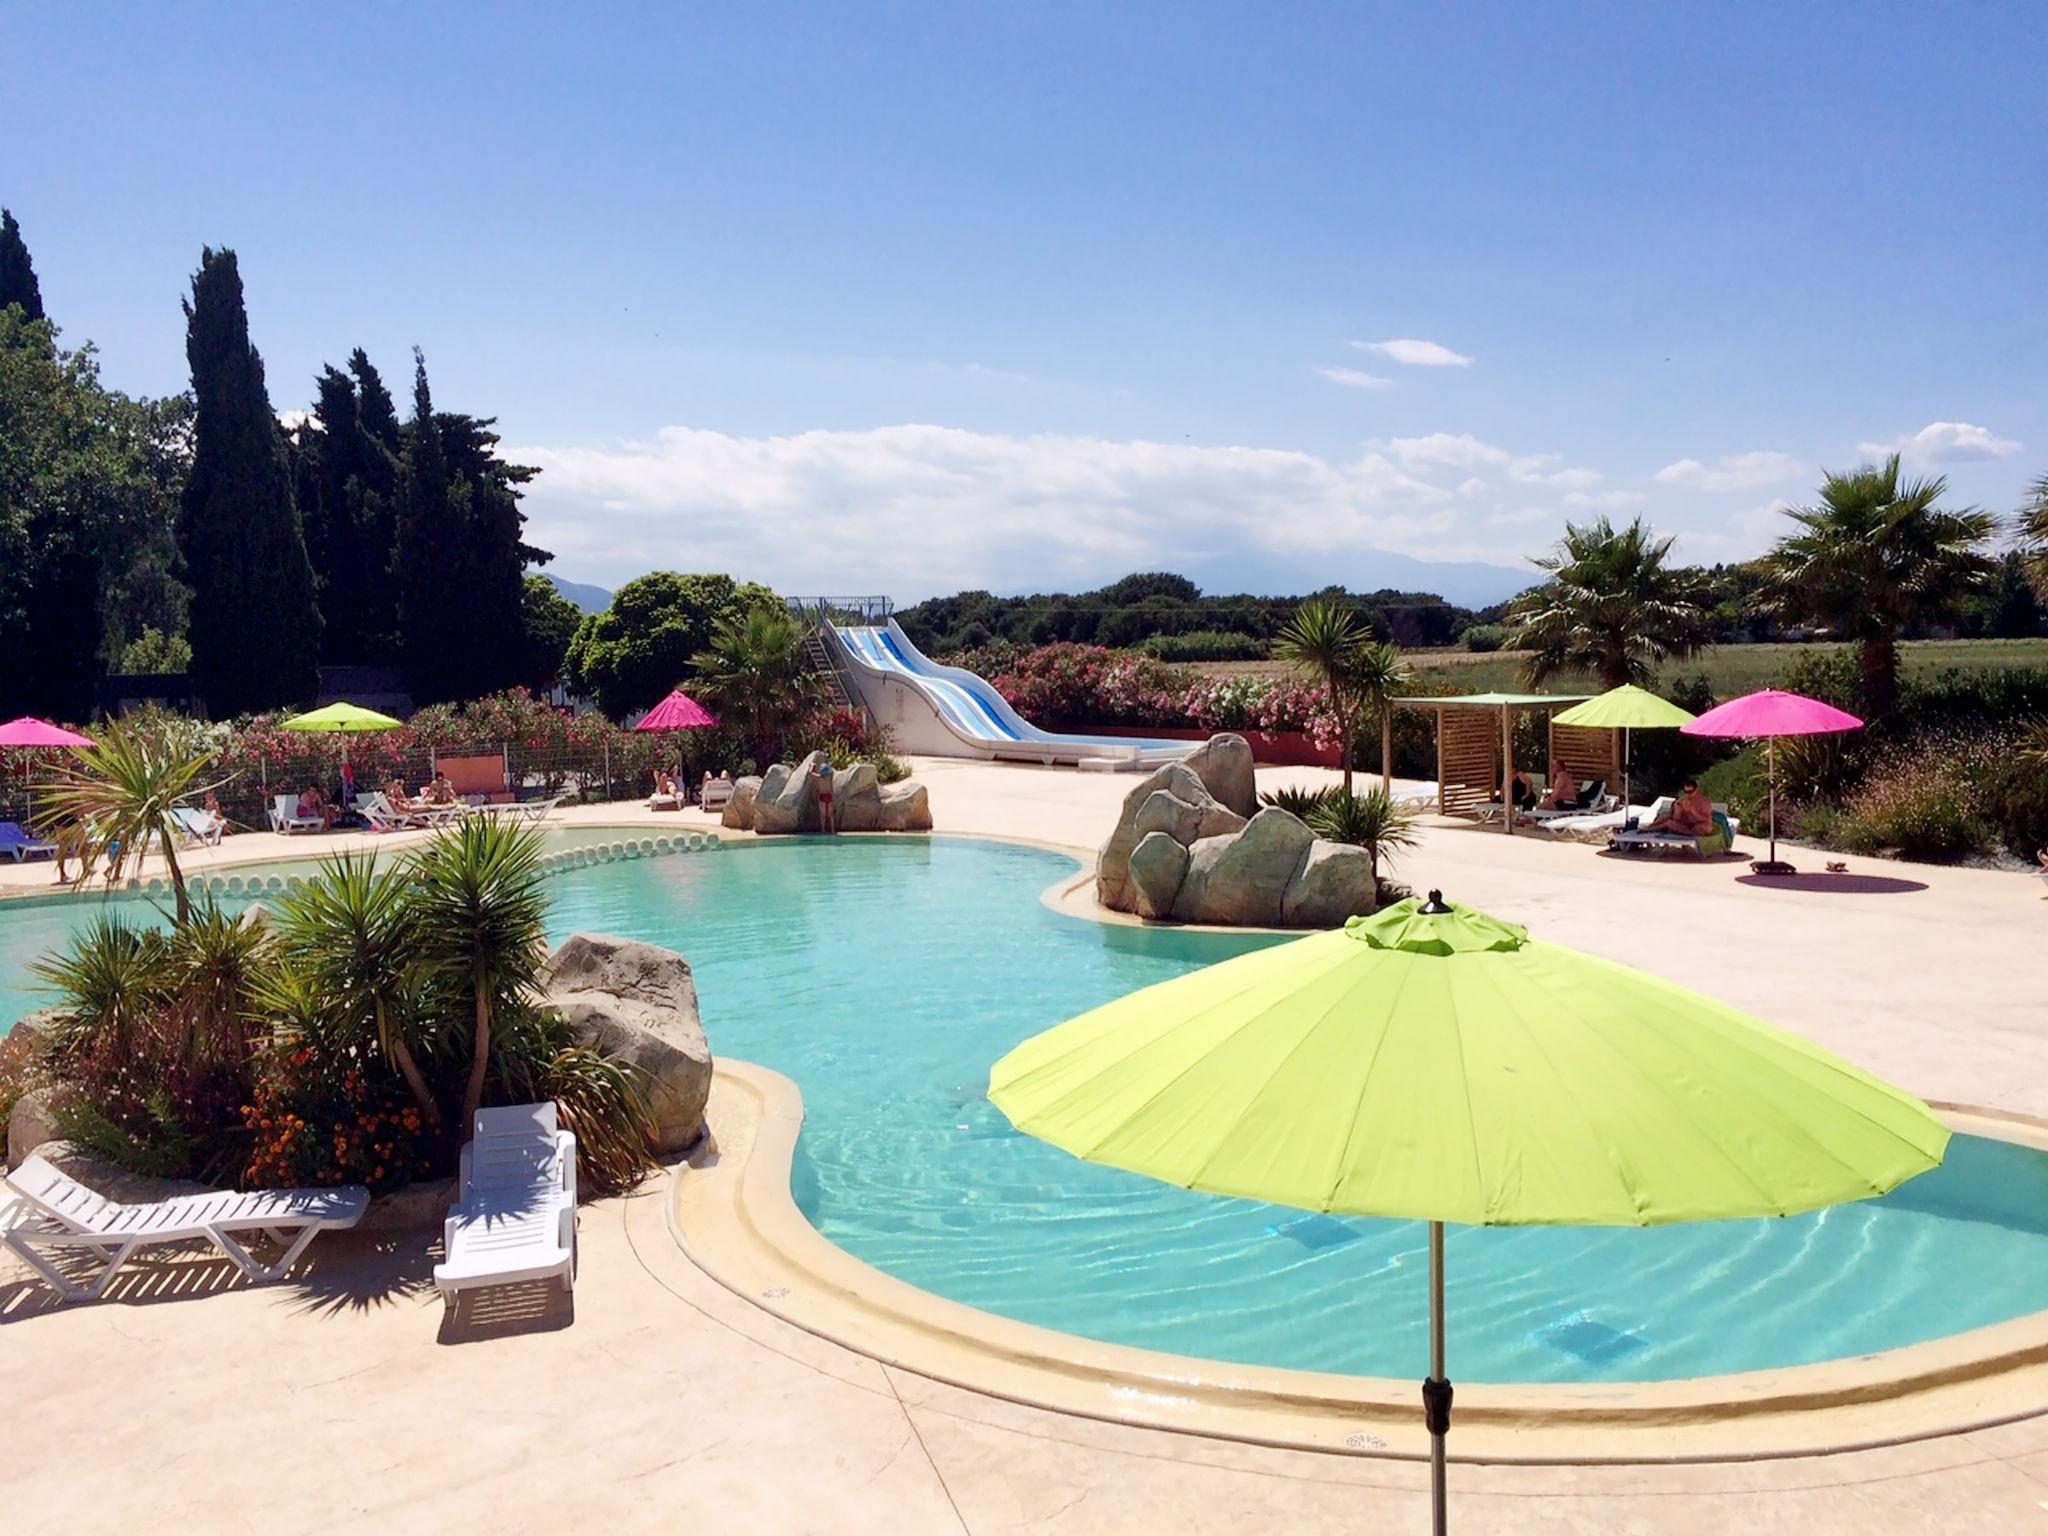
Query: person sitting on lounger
1692	814
313	806
441	791
1563	794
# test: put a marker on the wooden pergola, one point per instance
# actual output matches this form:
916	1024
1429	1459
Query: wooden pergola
1475	748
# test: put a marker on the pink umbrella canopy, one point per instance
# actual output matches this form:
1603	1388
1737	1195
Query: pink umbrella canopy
677	712
31	732
1772	712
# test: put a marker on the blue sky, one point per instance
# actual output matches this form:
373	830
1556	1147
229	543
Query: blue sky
908	298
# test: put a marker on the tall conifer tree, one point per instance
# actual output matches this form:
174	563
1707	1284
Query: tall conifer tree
431	542
255	627
17	273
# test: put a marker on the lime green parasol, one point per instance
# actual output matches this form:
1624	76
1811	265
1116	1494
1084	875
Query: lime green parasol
1627	708
1438	1065
345	719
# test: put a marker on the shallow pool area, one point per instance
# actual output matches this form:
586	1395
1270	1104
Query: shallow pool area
884	976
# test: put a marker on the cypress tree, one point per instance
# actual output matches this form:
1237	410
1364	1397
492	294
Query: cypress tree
17	273
255	627
347	480
433	634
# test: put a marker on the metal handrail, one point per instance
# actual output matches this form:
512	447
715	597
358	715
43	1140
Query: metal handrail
840	610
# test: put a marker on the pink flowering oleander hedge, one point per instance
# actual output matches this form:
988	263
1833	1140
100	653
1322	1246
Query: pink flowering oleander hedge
1071	687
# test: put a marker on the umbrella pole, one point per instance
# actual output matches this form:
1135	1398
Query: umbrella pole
1771	866
1436	1391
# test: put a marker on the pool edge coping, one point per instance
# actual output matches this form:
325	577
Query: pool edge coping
732	1213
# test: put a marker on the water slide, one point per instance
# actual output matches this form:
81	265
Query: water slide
943	711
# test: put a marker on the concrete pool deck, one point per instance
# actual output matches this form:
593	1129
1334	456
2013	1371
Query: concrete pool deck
340	1398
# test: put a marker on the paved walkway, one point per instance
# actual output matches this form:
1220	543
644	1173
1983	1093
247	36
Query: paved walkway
343	1401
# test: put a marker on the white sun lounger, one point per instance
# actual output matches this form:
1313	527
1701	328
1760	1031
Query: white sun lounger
285	817
55	1213
515	1213
717	793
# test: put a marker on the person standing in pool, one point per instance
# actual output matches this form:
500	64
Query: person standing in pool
823	774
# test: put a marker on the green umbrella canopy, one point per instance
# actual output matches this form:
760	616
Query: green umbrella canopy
347	719
1446	1067
1626	707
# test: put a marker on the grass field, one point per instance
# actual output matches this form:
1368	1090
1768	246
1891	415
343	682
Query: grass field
1731	669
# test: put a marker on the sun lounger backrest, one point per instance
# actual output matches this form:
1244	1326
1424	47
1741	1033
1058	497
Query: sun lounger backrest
44	1185
516	1119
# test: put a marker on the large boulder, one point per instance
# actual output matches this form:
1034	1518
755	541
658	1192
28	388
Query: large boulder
905	808
857	799
788	798
1224	765
32	1123
1158	865
1335	883
1242	878
1187	810
637	1003
739	810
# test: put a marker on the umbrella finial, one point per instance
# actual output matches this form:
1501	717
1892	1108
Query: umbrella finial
1435	906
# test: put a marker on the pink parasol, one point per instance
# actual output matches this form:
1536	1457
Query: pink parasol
1771	714
677	712
31	732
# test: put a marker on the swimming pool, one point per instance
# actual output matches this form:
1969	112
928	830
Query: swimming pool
885	976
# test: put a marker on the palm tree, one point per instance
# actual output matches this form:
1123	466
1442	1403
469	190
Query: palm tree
117	795
480	923
1875	557
1614	606
756	669
1378	675
1323	641
2032	527
350	934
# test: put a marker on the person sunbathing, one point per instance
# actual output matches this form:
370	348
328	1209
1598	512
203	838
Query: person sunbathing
313	806
1692	814
1563	794
441	791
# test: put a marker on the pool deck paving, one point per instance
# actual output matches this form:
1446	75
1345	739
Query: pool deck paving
343	1399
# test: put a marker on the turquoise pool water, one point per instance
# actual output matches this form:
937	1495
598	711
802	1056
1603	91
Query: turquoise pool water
884	977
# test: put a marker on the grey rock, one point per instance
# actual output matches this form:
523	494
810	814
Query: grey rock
1224	765
905	807
637	1003
1158	865
1335	883
1179	783
33	1032
1242	879
256	916
857	799
31	1124
739	810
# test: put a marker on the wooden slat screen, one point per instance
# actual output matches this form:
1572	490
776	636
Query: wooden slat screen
1468	760
1591	752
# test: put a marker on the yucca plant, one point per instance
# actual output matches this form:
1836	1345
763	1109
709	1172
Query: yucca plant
116	798
1323	641
350	934
1374	821
1303	803
602	1101
480	922
110	983
215	968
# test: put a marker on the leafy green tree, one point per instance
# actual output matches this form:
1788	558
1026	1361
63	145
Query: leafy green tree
17	273
460	553
255	624
346	474
549	622
1875	557
1323	641
1613	607
646	643
89	484
755	672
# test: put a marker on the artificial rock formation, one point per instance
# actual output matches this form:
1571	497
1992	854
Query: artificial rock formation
785	800
1193	845
637	1003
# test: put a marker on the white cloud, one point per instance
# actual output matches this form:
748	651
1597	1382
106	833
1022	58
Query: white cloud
291	421
1733	471
920	508
1354	378
1602	501
1743	537
1512	517
1946	442
1473	489
1550	469
1441	450
1416	354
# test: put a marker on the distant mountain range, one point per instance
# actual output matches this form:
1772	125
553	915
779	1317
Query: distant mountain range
590	599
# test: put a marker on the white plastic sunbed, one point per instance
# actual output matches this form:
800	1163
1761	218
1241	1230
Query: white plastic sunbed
285	817
717	793
53	1213
197	828
515	1213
